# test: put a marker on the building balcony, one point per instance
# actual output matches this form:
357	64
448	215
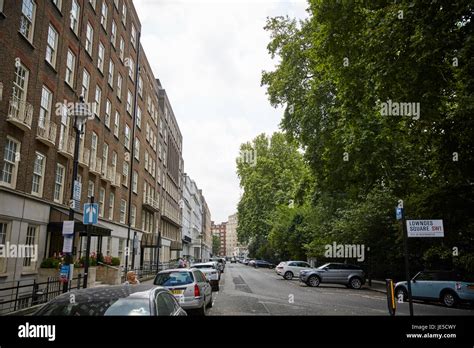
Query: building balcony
84	157
20	113
95	166
117	180
66	146
150	203
46	133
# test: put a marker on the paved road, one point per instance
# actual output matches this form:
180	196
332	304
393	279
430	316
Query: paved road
248	291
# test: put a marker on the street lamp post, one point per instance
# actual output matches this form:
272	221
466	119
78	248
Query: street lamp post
80	114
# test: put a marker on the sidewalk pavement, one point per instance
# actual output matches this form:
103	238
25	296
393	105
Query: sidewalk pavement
377	285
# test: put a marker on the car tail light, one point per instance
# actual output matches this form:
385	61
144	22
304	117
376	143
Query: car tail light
197	293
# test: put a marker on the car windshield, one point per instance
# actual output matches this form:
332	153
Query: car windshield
126	306
174	278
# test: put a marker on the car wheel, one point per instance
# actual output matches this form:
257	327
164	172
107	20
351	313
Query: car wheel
314	281
202	310
355	283
449	299
288	275
401	293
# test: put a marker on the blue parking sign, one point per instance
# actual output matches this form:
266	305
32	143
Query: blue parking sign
399	213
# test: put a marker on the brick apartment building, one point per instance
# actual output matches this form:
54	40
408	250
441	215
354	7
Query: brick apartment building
219	230
130	158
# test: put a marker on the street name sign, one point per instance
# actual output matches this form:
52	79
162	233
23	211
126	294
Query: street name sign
425	228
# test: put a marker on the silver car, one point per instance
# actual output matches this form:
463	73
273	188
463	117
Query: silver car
210	270
336	273
189	286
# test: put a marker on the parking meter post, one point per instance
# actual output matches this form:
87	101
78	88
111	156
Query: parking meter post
88	250
407	270
392	304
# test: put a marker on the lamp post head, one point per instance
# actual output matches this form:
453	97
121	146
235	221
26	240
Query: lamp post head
81	112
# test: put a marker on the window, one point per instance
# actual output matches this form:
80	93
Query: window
86	77
103	16
122	49
129	102
45	108
140	86
52	46
4	238
101	202
111	74
11	157
70	68
94	141
127	136
139	117
89	38
91	189
38	175
59	184
117	124
133	215
119	86
135	182
134	36
75	12
105	157
113	36
121	248
124	14
137	149
108	111
111	205
93	3
101	57
58	4
31	238
97	101
27	20
123	208
146	160
125	171
131	68
116	4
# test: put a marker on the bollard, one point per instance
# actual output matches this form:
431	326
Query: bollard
392	304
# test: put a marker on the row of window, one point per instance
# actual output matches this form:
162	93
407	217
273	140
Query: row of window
10	170
32	237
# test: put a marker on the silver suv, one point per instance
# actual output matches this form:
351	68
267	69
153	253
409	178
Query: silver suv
336	273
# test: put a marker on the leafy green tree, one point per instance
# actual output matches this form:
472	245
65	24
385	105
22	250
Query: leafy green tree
335	71
216	244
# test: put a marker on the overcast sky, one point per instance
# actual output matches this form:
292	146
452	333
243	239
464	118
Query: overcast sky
209	56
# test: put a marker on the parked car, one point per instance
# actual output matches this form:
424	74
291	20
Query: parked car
211	272
448	287
290	269
189	286
220	261
336	273
233	260
245	261
263	264
251	263
141	299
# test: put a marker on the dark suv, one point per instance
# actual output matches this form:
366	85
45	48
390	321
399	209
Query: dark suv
336	273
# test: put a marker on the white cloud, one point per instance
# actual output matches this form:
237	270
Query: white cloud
209	56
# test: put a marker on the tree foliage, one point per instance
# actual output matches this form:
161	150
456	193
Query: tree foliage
335	70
